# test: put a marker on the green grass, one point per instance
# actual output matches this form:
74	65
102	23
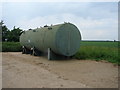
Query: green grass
88	50
11	47
99	51
100	43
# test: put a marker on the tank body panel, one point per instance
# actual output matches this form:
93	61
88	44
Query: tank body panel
63	39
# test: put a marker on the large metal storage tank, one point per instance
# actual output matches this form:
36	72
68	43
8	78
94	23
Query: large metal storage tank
62	39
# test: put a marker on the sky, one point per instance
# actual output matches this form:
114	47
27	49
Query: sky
95	20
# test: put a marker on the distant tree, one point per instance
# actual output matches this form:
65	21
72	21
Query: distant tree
8	35
15	33
3	31
1	23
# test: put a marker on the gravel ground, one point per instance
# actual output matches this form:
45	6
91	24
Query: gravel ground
26	71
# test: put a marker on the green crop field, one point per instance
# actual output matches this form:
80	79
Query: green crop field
92	50
99	50
100	43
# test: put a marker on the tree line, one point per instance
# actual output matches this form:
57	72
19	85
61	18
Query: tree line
9	35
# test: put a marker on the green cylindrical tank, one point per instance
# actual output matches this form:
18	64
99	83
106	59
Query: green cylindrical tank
63	39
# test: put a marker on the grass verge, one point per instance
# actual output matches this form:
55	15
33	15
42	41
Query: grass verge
98	53
108	51
11	47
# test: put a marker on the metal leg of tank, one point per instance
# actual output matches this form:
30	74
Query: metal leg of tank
54	56
25	50
49	57
31	51
35	52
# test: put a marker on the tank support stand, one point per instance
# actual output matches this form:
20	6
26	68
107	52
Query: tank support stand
25	50
35	52
54	56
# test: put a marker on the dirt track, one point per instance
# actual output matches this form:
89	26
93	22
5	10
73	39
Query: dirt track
26	71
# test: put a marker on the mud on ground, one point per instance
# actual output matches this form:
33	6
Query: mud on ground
26	71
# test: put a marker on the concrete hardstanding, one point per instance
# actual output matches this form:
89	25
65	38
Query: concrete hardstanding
63	39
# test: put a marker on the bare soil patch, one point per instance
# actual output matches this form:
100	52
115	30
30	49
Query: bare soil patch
26	71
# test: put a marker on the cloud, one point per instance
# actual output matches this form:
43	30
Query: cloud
94	20
89	28
0	11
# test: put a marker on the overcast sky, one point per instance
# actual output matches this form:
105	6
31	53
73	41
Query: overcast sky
95	20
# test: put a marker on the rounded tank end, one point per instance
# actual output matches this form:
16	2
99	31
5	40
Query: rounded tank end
68	39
